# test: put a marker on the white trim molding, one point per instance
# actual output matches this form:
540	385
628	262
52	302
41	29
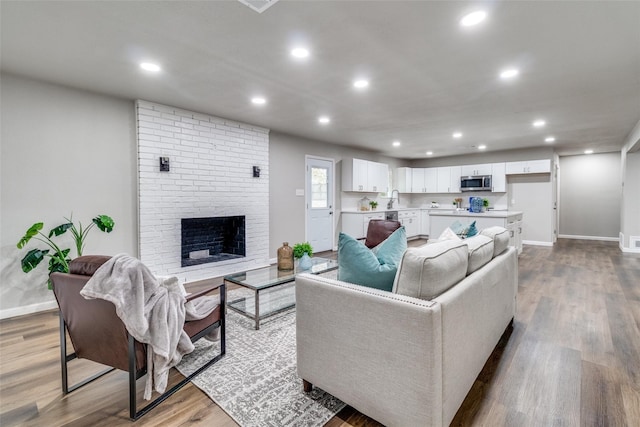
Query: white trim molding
27	309
606	239
536	243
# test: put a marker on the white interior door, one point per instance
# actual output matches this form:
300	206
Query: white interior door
319	203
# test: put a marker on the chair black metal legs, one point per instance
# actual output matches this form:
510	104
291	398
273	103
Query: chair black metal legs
134	373
133	376
65	358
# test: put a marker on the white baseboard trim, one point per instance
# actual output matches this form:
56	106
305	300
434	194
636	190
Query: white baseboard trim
606	239
629	250
27	309
536	243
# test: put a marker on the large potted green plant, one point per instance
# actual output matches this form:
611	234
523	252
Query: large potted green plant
59	258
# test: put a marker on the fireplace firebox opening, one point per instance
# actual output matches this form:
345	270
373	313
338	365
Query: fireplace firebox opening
214	239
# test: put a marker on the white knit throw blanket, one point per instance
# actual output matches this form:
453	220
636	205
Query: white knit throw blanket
153	312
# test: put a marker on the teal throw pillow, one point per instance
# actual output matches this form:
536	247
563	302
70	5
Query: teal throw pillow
472	230
464	231
360	265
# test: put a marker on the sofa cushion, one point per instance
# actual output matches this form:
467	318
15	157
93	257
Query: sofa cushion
427	271
500	236
480	251
359	265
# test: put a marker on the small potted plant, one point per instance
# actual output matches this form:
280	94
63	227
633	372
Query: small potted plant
373	205
303	252
485	204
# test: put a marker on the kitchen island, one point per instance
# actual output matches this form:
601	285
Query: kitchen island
511	220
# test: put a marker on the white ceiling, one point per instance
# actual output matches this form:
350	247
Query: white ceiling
579	63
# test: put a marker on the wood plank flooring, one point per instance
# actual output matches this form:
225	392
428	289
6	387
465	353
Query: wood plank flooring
572	358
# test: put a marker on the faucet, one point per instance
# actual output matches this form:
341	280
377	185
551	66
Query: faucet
390	204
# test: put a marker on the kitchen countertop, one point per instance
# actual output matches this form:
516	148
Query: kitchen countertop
489	214
403	208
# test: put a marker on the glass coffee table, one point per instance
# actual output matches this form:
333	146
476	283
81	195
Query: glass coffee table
273	290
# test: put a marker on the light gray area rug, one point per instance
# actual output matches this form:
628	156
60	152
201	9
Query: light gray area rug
256	381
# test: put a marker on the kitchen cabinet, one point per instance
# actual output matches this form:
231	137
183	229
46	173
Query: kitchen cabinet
424	180
511	220
411	221
448	180
470	170
365	176
498	178
514	225
529	166
355	224
403	180
424	222
378	177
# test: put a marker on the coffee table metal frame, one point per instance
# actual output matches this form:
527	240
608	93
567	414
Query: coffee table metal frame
264	278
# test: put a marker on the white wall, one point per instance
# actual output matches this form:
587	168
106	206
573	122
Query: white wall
630	209
211	175
590	195
63	150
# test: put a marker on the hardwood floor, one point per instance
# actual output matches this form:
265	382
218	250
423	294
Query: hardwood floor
572	358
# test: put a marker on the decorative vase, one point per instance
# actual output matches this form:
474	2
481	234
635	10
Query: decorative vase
285	257
305	262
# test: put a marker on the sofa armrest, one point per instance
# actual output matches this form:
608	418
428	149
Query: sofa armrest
377	351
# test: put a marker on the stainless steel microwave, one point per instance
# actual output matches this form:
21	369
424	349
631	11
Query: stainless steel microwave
475	183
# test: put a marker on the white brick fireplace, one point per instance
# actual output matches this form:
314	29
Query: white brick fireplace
211	175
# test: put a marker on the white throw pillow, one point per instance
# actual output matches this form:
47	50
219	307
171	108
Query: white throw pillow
448	234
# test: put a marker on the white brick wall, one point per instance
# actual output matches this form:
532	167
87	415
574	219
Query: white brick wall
211	162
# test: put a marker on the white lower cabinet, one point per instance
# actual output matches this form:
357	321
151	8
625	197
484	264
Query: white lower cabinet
424	222
355	224
512	222
514	225
411	221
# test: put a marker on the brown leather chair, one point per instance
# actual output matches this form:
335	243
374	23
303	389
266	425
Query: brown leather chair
98	334
379	230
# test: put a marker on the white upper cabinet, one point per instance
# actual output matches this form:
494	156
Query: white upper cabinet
379	179
449	179
483	169
417	180
498	178
529	166
456	173
403	180
366	176
424	180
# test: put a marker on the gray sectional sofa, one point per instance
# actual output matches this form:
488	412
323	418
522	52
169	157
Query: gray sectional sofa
409	357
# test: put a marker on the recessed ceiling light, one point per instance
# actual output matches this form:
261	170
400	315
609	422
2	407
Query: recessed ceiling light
549	139
361	84
258	100
457	135
324	120
539	123
473	18
509	73
300	52
148	66
482	147
588	151
396	143
429	153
